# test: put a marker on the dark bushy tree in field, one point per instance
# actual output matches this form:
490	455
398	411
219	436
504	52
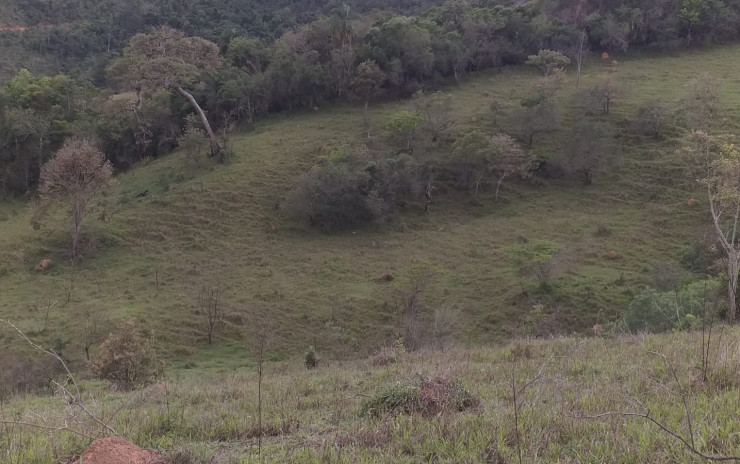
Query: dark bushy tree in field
497	156
335	197
356	190
592	149
535	117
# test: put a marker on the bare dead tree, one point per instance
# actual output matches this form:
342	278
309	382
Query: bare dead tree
90	332
41	313
211	307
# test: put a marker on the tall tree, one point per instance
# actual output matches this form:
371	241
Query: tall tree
719	160
167	58
603	94
702	101
548	61
485	156
436	108
592	149
535	117
367	84
75	175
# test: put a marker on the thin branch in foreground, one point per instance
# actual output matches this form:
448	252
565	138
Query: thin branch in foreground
689	443
73	399
47	428
649	417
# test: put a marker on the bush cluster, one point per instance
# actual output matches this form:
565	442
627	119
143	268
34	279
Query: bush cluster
353	191
683	309
126	357
26	373
427	396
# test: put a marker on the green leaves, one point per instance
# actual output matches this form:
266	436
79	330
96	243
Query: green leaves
548	61
403	122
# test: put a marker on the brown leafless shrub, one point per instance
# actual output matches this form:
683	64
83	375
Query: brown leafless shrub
126	357
210	306
22	373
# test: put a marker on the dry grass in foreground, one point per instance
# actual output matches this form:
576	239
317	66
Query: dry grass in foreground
534	397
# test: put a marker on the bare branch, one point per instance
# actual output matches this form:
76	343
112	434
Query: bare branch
47	428
649	417
74	399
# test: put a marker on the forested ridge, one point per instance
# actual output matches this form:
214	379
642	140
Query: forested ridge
283	55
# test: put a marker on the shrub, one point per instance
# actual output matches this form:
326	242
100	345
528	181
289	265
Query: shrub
667	275
700	257
310	359
194	143
653	119
428	397
356	191
537	258
126	357
335	197
655	311
25	373
404	125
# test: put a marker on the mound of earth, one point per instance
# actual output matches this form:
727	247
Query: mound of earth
119	451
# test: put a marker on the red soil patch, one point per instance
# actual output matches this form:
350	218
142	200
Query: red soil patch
118	451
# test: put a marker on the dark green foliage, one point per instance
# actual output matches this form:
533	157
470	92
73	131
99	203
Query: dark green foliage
656	311
593	149
283	54
537	115
700	257
354	191
311	359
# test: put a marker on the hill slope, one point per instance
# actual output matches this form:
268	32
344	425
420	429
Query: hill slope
220	225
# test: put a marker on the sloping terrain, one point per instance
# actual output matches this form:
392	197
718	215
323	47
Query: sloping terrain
173	226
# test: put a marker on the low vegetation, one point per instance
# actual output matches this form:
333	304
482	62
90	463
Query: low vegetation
556	400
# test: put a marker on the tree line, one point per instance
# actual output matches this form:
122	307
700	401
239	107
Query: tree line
301	56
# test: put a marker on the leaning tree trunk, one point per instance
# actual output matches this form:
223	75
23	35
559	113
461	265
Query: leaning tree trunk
498	188
215	148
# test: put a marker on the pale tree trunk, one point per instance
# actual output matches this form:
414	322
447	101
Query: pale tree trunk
732	254
77	216
498	187
365	120
580	58
215	148
732	270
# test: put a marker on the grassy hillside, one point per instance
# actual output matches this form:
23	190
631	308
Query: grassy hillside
335	414
221	225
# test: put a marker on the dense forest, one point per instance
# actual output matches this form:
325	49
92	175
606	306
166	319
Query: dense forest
286	54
